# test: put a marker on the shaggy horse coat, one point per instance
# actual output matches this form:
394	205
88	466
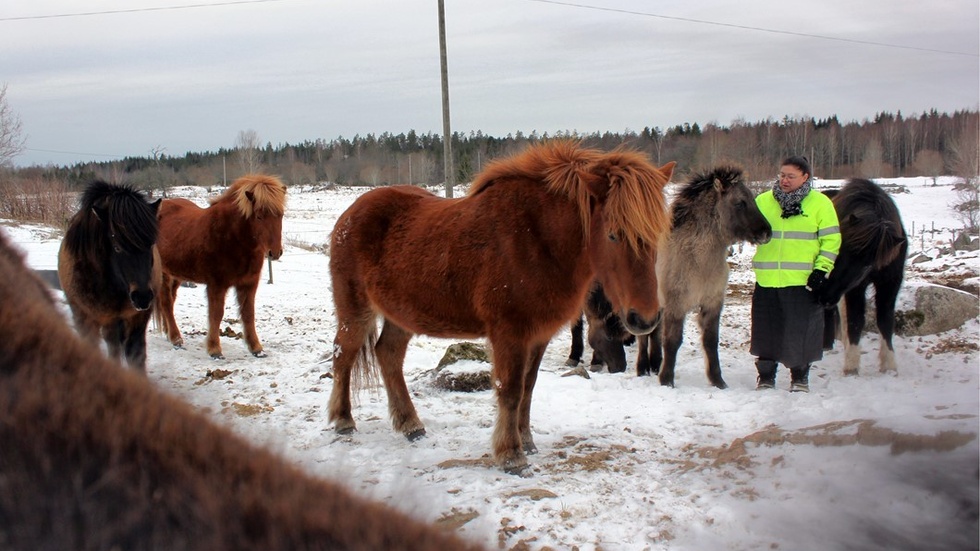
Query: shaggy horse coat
873	250
222	246
95	457
108	269
511	261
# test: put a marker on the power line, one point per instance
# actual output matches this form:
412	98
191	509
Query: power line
135	10
751	28
71	152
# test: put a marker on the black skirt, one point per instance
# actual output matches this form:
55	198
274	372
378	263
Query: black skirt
787	326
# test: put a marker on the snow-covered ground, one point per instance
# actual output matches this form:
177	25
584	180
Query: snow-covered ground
869	462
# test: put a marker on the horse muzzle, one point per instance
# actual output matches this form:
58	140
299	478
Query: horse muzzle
638	325
142	299
275	255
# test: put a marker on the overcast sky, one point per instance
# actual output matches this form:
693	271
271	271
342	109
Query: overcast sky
123	78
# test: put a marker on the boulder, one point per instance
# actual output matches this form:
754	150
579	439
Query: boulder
465	367
927	309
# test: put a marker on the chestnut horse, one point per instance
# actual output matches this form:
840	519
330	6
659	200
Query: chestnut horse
873	250
221	246
96	457
511	261
107	269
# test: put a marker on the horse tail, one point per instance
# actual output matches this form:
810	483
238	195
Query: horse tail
365	373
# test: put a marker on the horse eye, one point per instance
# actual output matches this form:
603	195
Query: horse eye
116	248
613	238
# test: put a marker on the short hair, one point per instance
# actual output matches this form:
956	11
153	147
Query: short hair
799	162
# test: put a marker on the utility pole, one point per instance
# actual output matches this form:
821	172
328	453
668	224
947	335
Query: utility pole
447	145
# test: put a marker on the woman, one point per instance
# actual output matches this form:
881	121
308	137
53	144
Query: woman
787	322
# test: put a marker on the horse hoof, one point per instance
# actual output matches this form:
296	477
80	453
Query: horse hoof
522	471
667	383
217	356
415	435
572	363
721	385
260	354
850	372
345	431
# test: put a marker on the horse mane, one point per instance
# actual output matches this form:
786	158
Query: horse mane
634	201
267	193
130	219
870	220
690	199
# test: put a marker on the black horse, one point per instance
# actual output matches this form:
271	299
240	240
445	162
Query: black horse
710	213
873	250
108	268
607	335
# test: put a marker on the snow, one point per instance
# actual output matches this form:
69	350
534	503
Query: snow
869	462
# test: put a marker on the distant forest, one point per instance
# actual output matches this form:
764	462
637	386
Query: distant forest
889	145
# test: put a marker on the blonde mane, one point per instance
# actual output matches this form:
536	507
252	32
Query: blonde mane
268	193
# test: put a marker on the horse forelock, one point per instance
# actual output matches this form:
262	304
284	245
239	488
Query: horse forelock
131	221
268	194
635	205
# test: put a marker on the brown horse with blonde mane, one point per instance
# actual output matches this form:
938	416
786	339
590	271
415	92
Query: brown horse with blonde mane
221	246
512	261
96	457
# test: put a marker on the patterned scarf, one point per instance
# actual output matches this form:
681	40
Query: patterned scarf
790	202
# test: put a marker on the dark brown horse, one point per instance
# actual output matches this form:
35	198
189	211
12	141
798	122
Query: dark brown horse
222	246
711	211
511	260
108	271
95	457
873	250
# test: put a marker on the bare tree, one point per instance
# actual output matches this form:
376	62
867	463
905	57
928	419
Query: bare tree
247	145
11	131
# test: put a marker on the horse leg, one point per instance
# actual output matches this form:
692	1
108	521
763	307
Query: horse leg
710	320
216	310
885	295
510	367
530	378
354	333
578	344
854	304
114	333
246	311
650	353
166	299
673	337
390	351
135	343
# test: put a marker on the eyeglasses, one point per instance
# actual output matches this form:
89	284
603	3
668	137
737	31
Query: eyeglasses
783	176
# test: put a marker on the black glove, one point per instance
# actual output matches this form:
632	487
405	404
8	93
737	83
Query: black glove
817	279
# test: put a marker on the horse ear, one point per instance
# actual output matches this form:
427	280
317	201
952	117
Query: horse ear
155	206
251	196
668	169
100	213
719	187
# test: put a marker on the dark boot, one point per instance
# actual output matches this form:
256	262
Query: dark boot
800	379
767	374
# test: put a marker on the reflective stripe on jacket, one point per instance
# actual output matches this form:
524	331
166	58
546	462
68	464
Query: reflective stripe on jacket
799	243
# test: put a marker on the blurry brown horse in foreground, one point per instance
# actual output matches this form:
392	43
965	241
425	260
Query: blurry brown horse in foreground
108	270
510	261
94	457
222	246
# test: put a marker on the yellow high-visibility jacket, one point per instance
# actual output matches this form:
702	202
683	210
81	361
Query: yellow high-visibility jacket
799	243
